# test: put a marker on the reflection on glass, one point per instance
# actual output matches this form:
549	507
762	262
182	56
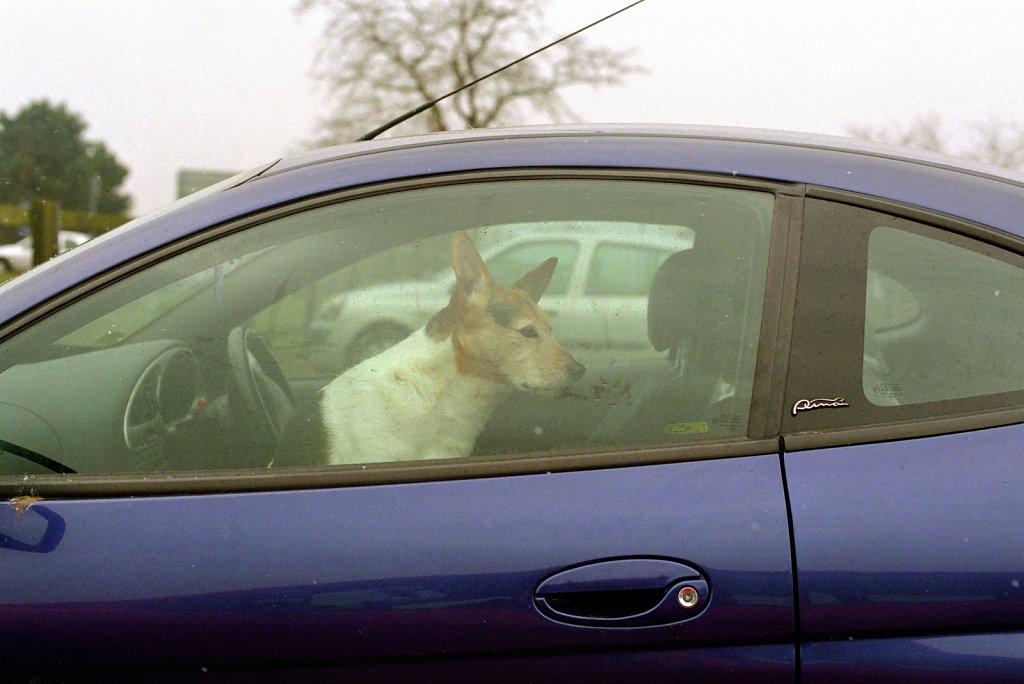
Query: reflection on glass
657	292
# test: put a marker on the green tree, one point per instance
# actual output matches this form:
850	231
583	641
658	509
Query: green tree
380	58
43	155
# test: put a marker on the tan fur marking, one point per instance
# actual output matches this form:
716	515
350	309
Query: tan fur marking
495	349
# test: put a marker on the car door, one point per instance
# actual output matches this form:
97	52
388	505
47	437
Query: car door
903	446
631	526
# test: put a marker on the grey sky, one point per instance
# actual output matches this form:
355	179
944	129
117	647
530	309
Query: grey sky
225	84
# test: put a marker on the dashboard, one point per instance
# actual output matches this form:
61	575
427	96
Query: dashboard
120	409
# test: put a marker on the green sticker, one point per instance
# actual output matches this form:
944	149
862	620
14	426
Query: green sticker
686	428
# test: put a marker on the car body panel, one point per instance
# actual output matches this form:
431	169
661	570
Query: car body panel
934	545
755	664
397	571
993	657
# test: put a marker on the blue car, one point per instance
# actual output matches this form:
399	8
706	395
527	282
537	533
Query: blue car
810	466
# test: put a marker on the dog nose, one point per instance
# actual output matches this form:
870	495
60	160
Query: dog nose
576	369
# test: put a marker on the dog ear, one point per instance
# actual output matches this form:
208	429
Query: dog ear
536	281
470	273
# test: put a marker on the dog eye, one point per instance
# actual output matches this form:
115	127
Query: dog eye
528	331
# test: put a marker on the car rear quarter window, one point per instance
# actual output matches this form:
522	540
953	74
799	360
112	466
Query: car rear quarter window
942	321
903	322
230	354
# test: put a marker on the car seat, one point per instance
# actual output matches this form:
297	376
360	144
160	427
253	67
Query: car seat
695	316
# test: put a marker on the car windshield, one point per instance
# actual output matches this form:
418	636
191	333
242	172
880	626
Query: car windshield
125	321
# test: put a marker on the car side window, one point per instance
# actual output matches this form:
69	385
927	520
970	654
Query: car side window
507	265
623	270
898	320
942	321
328	336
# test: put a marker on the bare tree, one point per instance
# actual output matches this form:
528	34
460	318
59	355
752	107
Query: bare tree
379	58
923	134
997	143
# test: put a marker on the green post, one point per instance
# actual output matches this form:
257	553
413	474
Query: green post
44	216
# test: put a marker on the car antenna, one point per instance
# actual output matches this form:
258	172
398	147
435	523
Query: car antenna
427	105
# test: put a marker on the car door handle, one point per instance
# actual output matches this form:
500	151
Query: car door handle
624	592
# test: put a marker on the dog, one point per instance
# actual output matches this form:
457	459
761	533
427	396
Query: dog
430	395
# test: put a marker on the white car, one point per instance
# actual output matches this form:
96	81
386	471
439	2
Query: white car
593	299
17	256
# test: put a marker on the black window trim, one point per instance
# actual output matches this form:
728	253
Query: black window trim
954	224
1003	410
763	420
772	366
193	482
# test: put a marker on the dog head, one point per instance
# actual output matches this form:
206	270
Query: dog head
498	332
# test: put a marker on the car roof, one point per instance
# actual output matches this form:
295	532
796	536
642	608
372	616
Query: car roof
988	195
824	142
971	191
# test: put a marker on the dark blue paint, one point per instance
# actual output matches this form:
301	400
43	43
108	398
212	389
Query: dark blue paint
397	571
765	664
916	536
769	664
995	657
35	528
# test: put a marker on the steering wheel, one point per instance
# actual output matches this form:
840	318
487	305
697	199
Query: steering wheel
260	385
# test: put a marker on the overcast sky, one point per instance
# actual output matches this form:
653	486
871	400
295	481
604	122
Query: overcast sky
225	84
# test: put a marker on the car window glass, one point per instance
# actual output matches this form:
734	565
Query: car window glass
942	321
134	316
506	266
221	356
621	270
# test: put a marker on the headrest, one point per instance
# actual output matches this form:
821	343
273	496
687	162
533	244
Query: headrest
690	294
670	283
